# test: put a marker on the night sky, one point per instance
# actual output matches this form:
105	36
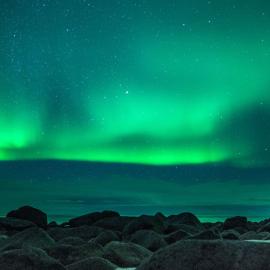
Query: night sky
144	83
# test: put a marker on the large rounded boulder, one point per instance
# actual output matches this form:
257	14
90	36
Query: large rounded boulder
14	224
264	228
84	232
205	235
72	241
90	219
114	223
125	254
184	218
31	214
68	254
176	236
255	236
235	222
32	237
28	259
94	263
148	239
210	255
144	222
106	237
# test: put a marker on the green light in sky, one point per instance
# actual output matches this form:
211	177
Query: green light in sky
168	85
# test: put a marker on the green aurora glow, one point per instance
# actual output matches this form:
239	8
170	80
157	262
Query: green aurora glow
152	82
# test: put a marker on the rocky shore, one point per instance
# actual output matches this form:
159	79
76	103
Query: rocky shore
108	241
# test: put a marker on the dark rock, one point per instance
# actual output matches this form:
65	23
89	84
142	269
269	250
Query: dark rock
106	237
125	254
114	223
184	218
94	263
28	259
144	223
186	228
52	224
252	226
84	232
72	240
176	236
263	222
68	254
209	225
148	239
205	235
32	237
217	226
160	216
30	213
14	224
230	235
234	222
210	255
3	239
64	225
240	230
90	219
265	228
255	236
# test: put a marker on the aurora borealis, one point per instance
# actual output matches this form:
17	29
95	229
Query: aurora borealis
142	82
151	82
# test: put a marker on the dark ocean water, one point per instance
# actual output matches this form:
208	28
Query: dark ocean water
65	189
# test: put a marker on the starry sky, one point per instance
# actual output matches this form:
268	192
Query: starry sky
164	83
150	82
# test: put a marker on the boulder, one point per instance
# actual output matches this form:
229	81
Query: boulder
31	214
176	236
205	235
15	224
28	259
210	255
90	219
94	263
52	224
210	225
265	228
148	239
160	216
230	235
252	226
217	226
32	237
125	254
3	239
114	223
84	232
255	236
240	230
106	237
72	240
144	222
184	218
68	254
186	228
235	222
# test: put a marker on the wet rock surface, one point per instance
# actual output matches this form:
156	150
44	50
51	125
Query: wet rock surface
105	241
210	255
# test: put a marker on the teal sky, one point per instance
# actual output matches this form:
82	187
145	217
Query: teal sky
150	82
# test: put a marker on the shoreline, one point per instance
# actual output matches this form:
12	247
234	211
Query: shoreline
109	241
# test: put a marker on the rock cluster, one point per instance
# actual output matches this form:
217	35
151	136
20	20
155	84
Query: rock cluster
107	241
